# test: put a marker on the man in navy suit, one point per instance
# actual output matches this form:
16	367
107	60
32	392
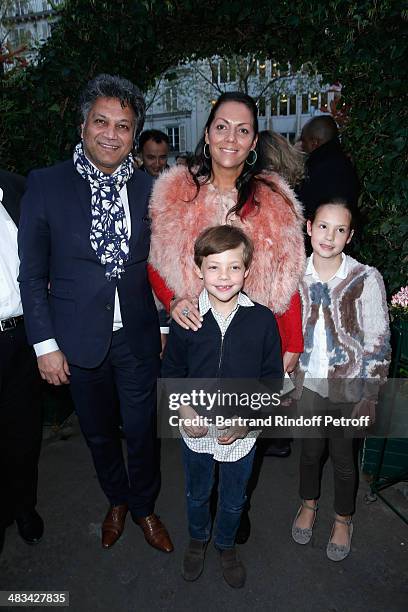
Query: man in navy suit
89	312
20	406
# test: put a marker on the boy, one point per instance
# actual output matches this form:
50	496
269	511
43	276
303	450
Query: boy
238	339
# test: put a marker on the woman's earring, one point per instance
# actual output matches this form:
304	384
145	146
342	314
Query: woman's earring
251	163
204	151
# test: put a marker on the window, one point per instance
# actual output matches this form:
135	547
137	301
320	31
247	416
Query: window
177	138
290	136
45	30
274	105
305	104
22	7
292	105
171	99
262	68
261	107
226	70
232	71
324	102
275	70
283	105
21	36
214	72
223	71
314	101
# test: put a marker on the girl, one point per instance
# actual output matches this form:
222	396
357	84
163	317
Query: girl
346	331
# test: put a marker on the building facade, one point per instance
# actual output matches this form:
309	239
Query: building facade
26	23
179	106
179	102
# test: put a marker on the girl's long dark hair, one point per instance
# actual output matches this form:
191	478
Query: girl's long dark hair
200	167
337	201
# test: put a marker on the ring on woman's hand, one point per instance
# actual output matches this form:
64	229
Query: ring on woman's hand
185	312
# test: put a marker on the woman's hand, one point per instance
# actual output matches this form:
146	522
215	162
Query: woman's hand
185	312
365	408
290	361
287	401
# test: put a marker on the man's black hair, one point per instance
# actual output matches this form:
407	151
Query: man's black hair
113	86
157	135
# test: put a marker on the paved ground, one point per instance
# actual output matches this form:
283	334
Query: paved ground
282	576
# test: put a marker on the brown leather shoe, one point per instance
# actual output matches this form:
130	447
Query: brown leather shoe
155	532
113	525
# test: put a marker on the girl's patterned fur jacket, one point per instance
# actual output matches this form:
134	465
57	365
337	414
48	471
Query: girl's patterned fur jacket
178	216
357	329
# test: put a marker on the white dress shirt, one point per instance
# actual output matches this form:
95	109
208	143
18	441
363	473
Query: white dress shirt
316	374
47	346
10	300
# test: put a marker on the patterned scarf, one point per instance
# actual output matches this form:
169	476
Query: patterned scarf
108	235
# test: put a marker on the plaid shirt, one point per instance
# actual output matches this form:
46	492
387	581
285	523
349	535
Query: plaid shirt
209	443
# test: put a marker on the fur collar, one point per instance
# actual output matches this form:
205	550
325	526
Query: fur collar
178	216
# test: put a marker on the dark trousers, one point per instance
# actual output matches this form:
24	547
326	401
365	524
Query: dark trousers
199	470
342	453
20	424
122	387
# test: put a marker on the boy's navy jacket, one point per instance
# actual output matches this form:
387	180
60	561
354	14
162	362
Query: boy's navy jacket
250	348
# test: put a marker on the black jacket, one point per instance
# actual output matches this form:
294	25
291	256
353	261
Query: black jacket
250	348
329	174
13	186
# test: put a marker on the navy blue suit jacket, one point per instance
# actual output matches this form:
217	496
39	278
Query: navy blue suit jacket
63	287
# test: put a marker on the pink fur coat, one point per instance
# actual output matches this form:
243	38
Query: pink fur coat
178	216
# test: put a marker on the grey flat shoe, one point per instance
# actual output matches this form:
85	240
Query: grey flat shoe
337	552
303	536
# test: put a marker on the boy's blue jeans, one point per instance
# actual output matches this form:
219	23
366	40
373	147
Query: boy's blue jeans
199	469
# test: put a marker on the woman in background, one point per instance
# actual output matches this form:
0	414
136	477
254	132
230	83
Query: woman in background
278	155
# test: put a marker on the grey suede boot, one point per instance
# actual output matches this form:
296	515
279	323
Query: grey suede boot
233	570
193	562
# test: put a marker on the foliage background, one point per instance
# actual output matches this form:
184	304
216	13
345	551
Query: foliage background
363	44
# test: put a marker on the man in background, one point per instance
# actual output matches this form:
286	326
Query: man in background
329	172
154	150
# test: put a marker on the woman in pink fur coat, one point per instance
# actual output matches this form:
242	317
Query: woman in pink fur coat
226	184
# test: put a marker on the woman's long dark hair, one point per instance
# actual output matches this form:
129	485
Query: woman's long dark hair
200	167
